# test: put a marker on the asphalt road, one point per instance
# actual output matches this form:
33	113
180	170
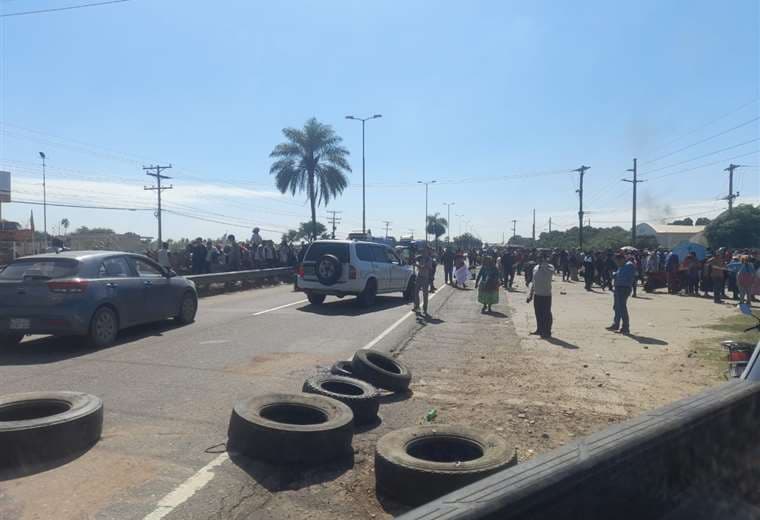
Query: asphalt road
168	392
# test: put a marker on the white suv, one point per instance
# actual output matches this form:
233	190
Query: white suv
342	267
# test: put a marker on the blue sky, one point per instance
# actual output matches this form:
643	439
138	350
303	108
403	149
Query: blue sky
472	93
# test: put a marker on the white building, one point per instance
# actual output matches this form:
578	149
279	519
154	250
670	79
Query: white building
669	235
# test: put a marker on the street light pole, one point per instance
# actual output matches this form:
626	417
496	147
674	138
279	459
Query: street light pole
427	184
44	200
448	221
364	183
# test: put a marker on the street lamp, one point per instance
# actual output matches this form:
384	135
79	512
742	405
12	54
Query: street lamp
427	184
364	192
44	200
448	220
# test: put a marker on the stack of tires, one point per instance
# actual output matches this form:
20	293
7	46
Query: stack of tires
316	426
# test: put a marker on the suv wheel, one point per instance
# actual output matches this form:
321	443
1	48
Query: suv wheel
316	299
369	294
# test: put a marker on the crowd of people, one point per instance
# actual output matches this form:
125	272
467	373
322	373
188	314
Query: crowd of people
621	272
209	256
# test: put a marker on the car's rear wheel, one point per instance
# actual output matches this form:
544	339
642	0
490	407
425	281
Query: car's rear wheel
316	299
187	309
104	328
10	340
368	296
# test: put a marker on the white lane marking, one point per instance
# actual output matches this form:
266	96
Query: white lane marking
398	322
278	308
187	489
214	341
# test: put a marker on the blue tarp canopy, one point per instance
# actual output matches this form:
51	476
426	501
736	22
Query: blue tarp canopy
684	248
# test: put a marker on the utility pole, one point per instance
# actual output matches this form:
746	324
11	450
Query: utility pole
333	219
731	195
427	185
364	178
44	200
533	234
387	227
158	189
635	181
550	224
514	228
448	221
582	171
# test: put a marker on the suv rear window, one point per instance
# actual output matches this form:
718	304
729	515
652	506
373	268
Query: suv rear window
317	249
47	268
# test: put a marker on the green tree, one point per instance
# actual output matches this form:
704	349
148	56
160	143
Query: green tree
683	222
517	240
739	228
467	241
312	160
291	235
65	225
436	226
310	229
702	221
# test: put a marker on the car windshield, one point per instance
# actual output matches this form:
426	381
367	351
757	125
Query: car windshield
318	249
40	269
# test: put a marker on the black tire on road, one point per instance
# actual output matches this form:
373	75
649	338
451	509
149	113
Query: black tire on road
10	340
342	368
104	328
328	269
418	464
316	299
359	395
291	428
368	296
43	427
381	370
188	308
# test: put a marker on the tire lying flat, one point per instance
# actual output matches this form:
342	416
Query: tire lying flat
359	395
342	368
381	370
42	427
418	464
291	428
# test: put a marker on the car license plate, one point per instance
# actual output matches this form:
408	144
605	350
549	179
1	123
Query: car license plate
20	324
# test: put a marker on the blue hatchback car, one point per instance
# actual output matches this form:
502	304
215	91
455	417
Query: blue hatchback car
89	293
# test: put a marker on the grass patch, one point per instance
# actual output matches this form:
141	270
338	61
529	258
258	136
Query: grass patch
709	350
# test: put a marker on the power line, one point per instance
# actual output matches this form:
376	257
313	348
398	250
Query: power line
77	206
158	189
724	132
704	155
67	8
704	165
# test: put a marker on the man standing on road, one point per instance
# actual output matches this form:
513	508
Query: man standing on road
163	256
624	279
448	265
588	270
424	264
508	268
541	294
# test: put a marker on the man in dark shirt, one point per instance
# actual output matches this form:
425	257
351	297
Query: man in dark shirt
588	270
508	268
448	265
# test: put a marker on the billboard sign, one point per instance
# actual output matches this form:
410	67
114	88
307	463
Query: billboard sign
5	186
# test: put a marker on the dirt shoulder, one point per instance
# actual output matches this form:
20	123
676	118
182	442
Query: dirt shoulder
487	372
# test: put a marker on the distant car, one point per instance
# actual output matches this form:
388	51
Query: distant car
89	293
347	267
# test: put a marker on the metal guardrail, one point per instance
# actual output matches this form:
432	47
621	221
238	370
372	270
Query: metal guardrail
202	280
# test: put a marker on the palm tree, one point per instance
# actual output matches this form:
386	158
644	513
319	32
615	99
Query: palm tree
311	159
65	224
436	226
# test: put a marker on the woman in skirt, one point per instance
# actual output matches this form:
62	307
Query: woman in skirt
487	284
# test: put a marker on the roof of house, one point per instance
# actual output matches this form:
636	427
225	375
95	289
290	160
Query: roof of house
675	230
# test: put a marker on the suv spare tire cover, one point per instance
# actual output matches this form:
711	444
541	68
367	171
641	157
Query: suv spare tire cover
43	427
359	395
258	429
381	370
328	269
421	463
